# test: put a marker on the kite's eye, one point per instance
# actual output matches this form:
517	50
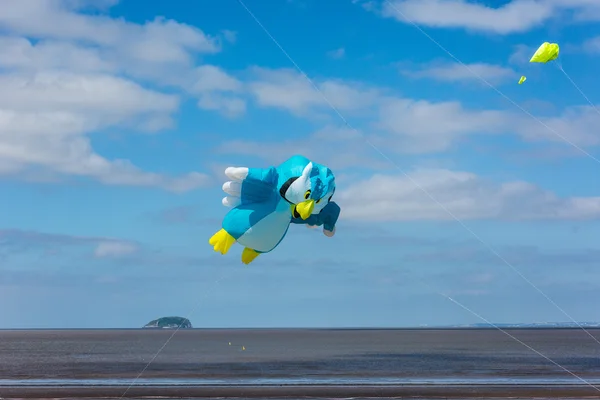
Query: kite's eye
307	195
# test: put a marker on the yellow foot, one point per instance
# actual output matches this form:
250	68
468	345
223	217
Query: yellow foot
248	255
222	241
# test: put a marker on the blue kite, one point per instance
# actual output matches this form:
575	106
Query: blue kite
264	202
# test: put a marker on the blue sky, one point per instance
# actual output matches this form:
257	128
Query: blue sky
117	121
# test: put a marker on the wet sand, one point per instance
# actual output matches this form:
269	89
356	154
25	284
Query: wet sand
297	391
476	359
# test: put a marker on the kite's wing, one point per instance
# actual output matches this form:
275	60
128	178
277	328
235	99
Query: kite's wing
249	185
546	52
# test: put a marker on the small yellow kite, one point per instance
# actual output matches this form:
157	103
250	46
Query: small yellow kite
546	52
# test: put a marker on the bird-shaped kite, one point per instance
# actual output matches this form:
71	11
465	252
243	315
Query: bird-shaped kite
265	201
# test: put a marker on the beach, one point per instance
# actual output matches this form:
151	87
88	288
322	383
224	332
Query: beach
318	363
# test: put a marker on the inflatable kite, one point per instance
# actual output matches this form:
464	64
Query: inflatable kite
545	53
264	202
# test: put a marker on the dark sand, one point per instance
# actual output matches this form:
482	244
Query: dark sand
466	355
426	392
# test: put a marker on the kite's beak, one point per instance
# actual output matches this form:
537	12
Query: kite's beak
305	208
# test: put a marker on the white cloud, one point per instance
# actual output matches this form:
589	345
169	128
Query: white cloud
515	16
162	51
349	145
521	55
466	195
286	89
575	124
227	105
456	72
230	36
592	45
211	78
21	54
115	249
65	74
157	40
337	53
44	117
583	10
406	125
411	126
15	241
112	98
419	126
71	74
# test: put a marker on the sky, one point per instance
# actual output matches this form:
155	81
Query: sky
117	120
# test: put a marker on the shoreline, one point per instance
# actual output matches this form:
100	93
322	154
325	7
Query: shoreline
341	380
296	364
330	391
315	329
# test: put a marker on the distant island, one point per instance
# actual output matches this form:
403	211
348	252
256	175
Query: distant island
169	323
547	325
184	323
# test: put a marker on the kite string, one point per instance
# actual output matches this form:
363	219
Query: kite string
477	315
164	345
410	178
194	309
190	313
485	81
441	205
536	119
559	65
425	191
585	381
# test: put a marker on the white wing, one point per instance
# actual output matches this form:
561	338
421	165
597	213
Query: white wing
230	201
236	173
234	187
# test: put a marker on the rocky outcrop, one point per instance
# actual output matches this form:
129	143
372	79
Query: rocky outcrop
169	323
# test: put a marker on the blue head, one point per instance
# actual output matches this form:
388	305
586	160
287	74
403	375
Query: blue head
309	192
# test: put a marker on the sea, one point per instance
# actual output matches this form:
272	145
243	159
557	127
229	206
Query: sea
300	363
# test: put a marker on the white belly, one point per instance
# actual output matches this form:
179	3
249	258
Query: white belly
267	232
